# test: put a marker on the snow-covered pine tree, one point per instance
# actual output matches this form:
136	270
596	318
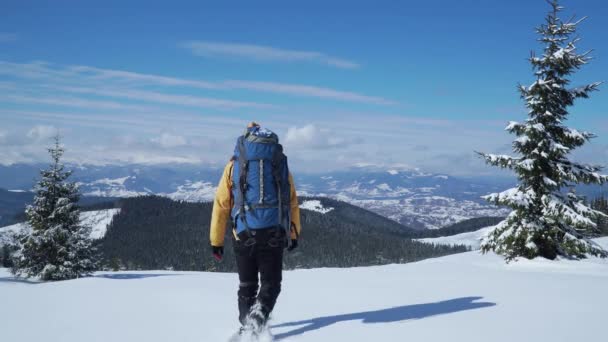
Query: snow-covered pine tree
58	246
548	217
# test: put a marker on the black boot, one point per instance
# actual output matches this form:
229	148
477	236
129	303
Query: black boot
245	305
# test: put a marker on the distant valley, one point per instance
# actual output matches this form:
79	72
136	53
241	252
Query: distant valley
411	197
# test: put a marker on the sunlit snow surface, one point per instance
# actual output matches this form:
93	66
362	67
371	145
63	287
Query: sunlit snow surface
315	205
465	297
471	239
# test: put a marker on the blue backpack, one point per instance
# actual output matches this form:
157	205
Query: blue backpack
260	179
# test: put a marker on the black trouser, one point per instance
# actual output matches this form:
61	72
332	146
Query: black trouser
262	254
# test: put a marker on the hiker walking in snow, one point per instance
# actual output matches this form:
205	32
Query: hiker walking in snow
257	193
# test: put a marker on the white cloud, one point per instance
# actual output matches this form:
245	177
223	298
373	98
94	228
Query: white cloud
87	77
304	90
133	77
42	132
264	53
168	140
312	137
6	37
70	102
152	96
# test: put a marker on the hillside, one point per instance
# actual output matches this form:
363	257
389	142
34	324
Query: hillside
98	220
469	239
13	203
464	297
158	233
466	226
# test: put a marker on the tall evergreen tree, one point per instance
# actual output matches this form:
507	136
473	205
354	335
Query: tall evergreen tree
548	217
56	245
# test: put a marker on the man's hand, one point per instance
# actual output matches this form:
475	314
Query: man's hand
293	245
218	252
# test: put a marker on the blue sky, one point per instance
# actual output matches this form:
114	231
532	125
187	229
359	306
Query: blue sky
411	83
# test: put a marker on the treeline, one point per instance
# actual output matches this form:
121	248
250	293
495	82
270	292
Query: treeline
158	233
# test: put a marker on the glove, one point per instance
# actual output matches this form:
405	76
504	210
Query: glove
218	253
293	245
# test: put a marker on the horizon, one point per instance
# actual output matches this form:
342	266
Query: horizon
418	85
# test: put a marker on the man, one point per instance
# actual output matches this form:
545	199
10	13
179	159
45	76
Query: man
257	193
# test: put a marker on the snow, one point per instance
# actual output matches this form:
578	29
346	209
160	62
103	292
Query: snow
527	164
574	134
193	192
538	127
98	220
513	196
524	139
5	232
315	205
486	300
108	181
470	239
512	125
384	187
107	187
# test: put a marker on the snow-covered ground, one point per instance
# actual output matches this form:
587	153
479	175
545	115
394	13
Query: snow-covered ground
193	192
315	205
97	219
464	297
471	239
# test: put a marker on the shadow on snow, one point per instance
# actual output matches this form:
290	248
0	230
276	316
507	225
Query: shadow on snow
396	314
118	276
129	276
18	280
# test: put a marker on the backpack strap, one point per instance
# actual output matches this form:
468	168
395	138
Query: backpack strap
278	159
243	170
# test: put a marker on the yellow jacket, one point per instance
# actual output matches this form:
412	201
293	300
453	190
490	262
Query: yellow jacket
223	203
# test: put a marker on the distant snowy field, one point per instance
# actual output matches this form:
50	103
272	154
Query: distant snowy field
471	239
464	297
98	220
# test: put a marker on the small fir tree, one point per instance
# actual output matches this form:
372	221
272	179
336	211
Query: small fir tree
114	264
548	217
55	245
